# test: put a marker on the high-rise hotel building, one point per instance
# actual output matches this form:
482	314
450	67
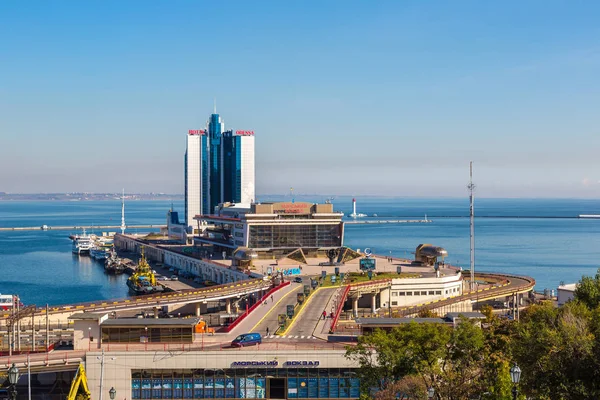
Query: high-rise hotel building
219	168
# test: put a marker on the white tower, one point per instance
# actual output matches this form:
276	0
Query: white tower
471	188
123	213
247	174
354	207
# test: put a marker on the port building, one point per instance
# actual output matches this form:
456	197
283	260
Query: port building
272	230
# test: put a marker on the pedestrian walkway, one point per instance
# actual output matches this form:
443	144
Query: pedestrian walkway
324	325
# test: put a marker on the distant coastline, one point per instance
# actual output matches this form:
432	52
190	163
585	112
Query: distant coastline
86	196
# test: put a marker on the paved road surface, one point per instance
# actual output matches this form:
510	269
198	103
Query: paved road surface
306	322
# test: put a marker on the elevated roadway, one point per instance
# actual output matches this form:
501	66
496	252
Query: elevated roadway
187	296
507	285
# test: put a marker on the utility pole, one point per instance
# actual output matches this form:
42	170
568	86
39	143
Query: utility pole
471	188
47	330
101	358
101	372
28	378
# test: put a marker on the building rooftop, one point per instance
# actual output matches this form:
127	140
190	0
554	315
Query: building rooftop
569	287
466	314
396	321
151	322
89	316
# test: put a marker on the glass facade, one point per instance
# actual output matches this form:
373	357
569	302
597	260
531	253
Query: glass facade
215	131
246	383
154	334
294	236
232	167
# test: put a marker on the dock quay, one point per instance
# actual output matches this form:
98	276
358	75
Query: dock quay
70	228
390	221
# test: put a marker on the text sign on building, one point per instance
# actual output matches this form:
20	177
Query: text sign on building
367	264
244	133
196	132
291	208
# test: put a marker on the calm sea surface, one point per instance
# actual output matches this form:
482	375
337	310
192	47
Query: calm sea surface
539	238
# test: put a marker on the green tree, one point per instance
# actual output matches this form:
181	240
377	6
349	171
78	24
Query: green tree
556	350
588	291
451	360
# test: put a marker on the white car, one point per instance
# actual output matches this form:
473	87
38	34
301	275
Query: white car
174	278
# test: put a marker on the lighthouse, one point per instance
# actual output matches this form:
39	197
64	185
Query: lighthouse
354	213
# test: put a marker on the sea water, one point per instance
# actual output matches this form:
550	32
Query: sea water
541	238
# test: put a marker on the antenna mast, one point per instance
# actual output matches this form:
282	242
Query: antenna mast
123	213
471	188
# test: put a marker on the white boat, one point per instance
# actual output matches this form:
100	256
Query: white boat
82	243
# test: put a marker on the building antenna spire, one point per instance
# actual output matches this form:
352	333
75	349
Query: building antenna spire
471	188
215	105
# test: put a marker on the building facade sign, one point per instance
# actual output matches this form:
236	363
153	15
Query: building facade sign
243	364
244	133
292	208
275	363
196	132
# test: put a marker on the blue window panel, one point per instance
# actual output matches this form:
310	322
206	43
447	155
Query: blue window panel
323	388
198	388
135	388
219	388
146	389
230	388
209	388
157	388
354	387
188	389
313	388
302	388
334	388
261	388
292	388
167	385
178	388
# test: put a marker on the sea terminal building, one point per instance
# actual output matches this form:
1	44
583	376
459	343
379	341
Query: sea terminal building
222	374
272	230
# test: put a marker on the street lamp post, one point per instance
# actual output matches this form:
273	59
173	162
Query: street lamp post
112	393
515	377
430	393
13	378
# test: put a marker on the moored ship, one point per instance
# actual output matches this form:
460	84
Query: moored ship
81	243
113	264
143	280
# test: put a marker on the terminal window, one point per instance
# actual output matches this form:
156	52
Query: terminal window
246	383
401	293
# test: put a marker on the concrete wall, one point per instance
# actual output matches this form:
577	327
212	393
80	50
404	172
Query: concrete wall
208	270
118	365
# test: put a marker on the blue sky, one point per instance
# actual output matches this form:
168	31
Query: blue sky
345	97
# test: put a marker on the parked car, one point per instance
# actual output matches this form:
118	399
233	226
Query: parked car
247	339
298	279
174	278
